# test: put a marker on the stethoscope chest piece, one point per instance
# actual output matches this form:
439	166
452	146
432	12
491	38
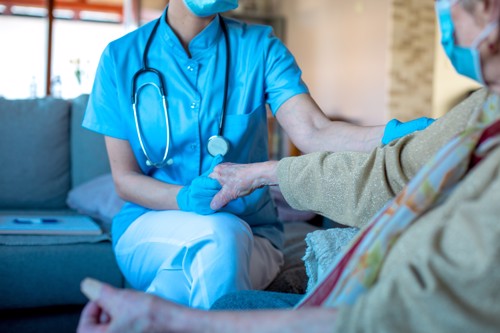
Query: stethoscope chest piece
217	145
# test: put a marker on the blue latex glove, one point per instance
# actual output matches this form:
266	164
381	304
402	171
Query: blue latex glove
396	129
197	196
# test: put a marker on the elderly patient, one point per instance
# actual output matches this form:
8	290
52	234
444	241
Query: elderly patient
427	261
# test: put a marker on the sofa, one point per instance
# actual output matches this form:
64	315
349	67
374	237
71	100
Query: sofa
52	166
44	155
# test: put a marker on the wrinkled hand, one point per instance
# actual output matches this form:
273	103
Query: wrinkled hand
239	180
122	311
396	129
197	196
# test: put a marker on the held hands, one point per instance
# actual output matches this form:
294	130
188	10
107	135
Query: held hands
197	196
239	180
396	129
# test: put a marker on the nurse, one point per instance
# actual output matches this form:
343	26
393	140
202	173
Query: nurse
175	98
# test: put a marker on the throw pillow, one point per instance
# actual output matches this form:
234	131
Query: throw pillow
96	198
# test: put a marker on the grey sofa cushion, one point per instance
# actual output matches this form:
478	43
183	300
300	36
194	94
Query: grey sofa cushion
89	158
38	271
50	275
34	153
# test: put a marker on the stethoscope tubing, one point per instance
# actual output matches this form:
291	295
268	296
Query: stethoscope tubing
162	91
149	161
226	79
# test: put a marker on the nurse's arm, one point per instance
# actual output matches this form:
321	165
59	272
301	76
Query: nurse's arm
132	185
310	129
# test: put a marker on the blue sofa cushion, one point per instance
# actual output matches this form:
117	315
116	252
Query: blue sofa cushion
89	158
34	153
50	275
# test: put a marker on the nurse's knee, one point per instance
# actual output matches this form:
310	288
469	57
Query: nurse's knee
229	230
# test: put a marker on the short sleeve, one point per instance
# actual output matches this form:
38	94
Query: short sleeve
103	110
283	75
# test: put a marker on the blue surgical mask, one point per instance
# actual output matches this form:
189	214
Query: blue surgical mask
210	7
466	60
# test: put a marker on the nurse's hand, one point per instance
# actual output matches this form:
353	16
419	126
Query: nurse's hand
239	180
396	129
197	196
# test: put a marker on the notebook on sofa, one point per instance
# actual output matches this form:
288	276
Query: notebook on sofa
48	225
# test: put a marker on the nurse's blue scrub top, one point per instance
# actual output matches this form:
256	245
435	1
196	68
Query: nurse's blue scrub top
262	72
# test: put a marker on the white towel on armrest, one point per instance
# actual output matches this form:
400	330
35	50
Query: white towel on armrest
323	247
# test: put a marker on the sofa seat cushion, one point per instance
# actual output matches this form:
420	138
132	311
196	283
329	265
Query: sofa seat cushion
34	153
39	271
50	275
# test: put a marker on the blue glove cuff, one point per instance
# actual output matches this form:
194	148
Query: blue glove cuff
389	130
182	199
396	129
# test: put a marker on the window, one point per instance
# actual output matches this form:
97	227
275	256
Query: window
79	32
23	59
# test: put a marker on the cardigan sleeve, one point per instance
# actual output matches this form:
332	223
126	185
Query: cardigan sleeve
350	188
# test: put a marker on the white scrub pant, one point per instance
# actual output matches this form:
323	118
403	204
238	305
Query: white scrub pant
194	259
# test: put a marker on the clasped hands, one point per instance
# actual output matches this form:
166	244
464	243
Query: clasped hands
221	184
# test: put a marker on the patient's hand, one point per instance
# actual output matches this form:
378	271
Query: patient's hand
114	310
239	180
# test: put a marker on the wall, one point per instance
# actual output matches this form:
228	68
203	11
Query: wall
449	87
412	50
371	61
342	48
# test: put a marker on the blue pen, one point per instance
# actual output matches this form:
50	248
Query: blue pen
35	220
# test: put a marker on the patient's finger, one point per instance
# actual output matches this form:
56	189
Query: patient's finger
221	199
220	172
91	288
104	318
89	320
215	204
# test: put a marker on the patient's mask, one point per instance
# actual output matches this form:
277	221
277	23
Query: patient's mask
210	7
466	60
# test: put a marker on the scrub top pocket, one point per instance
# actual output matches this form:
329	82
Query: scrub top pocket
247	134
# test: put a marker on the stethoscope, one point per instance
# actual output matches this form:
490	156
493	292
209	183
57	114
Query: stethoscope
217	144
